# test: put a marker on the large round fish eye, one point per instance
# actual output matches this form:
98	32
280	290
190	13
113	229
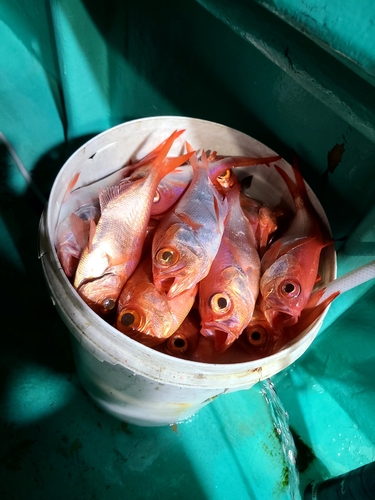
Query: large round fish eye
167	256
225	175
257	335
108	304
129	318
177	343
290	289
225	179
220	303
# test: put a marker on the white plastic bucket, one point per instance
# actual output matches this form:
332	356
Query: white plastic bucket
127	379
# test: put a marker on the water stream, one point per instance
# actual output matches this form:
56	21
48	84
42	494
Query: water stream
281	422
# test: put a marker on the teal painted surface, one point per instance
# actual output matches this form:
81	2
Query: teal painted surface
311	67
70	69
345	29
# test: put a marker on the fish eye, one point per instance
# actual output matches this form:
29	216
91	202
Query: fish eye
225	175
220	303
177	343
156	196
290	289
167	256
256	336
108	304
129	318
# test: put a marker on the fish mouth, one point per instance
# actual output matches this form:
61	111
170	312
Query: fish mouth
279	318
163	284
173	286
222	336
101	293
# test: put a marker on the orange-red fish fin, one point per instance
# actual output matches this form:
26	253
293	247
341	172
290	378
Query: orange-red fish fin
249	162
71	185
111	193
165	165
154	153
188	220
292	186
318	279
188	147
216	208
279	248
311	312
267	226
166	146
299	179
92	231
271	255
212	156
173	163
79	229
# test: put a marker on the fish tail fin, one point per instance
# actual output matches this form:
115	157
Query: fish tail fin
193	158
296	188
154	153
299	192
292	186
301	186
163	165
244	161
189	147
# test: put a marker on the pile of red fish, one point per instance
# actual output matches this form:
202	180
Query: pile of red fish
175	256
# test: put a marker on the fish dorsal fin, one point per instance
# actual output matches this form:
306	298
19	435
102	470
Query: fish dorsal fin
204	158
111	193
271	255
188	220
212	156
297	242
92	231
279	248
79	229
292	186
189	147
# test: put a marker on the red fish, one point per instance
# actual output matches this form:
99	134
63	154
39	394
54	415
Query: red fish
115	246
72	237
263	220
183	342
173	185
259	339
228	294
146	314
188	237
206	352
290	266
